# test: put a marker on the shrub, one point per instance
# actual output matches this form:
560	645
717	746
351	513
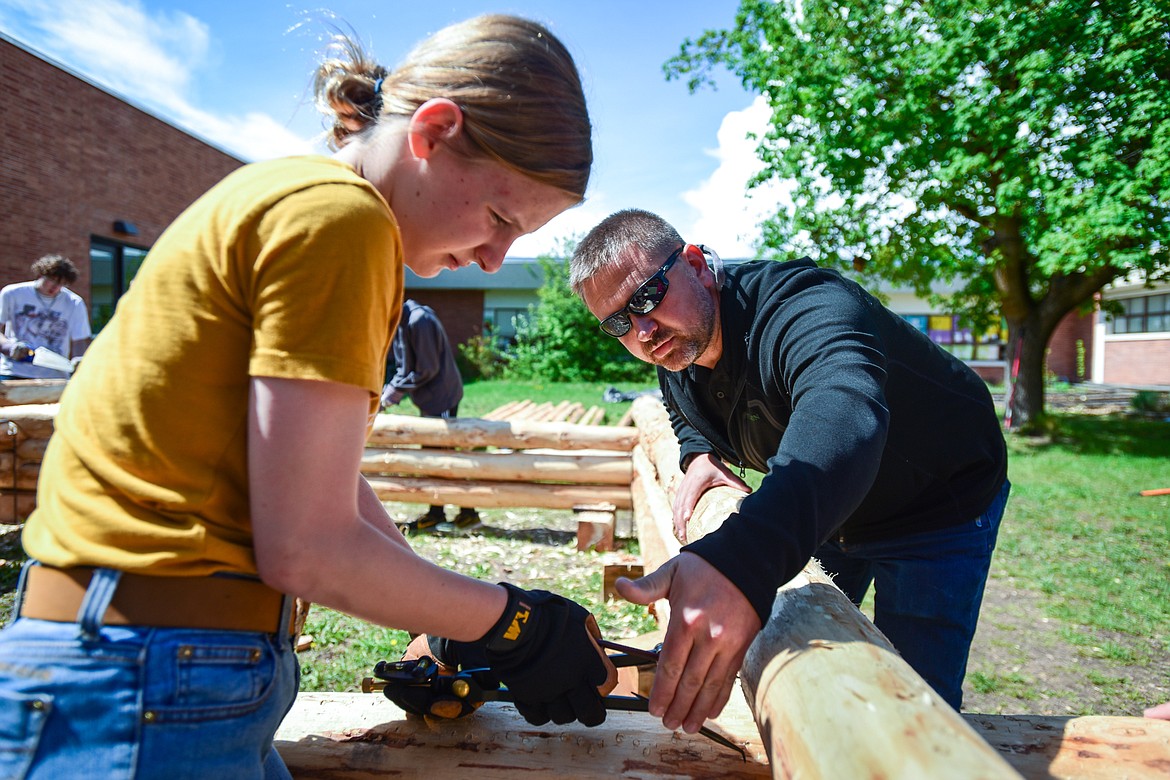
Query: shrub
559	340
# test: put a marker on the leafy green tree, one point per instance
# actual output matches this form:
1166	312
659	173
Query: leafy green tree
1019	149
559	340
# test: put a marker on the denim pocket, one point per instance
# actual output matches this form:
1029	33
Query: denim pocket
212	679
22	720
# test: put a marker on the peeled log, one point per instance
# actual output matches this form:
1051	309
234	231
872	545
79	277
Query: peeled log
16	505
656	436
653	520
32	421
414	490
1079	748
392	430
505	467
378	741
23	477
32	449
19	392
831	695
834	699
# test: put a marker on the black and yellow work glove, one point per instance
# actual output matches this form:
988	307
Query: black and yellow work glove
541	649
463	657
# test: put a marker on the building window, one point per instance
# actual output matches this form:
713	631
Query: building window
112	266
1145	314
503	322
963	343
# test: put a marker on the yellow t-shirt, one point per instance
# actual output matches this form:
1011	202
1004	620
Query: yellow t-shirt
290	268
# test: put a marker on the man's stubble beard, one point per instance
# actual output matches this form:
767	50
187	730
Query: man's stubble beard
690	344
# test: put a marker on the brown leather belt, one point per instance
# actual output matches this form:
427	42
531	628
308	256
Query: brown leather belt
217	603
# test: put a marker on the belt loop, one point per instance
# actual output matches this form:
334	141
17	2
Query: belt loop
20	586
97	600
287	613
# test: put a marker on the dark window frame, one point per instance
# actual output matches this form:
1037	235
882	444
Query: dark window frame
1137	312
121	274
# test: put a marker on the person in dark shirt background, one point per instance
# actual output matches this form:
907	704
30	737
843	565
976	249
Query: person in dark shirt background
882	453
425	370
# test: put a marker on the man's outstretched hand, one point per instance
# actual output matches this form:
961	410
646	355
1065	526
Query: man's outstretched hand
711	626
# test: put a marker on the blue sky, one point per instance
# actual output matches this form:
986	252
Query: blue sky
238	74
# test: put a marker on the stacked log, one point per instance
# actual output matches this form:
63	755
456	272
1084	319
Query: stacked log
24	434
565	411
502	462
21	392
551	465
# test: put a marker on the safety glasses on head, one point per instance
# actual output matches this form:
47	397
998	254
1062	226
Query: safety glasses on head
643	301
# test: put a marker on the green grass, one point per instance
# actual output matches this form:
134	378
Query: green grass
1078	530
481	397
1009	684
346	649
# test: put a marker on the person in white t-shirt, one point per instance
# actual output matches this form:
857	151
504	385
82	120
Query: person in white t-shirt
42	313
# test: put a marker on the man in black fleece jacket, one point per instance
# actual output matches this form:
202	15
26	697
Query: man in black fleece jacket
882	453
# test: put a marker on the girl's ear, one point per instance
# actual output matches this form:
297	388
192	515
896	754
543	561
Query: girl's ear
437	121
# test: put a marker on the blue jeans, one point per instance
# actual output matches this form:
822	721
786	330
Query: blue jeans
86	700
927	591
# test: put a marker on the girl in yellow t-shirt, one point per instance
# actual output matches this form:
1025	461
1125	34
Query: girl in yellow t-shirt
205	465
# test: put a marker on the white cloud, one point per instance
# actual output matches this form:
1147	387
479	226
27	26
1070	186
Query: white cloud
150	58
571	224
728	213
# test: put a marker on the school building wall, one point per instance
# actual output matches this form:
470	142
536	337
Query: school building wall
1070	348
460	311
77	159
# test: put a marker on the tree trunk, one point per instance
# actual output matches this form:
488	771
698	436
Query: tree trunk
1027	344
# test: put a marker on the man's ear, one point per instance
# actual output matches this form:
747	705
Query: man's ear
437	121
698	261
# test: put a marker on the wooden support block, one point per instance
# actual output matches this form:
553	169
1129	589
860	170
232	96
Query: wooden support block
595	529
346	736
611	573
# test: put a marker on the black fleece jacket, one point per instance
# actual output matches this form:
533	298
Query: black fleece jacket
863	427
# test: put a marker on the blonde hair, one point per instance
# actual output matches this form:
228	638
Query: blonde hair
514	81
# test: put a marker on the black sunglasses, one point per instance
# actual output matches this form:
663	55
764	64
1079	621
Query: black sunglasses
643	301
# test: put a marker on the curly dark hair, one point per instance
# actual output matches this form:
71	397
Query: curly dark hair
55	267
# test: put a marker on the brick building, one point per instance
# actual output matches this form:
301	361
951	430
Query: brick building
1132	341
87	174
